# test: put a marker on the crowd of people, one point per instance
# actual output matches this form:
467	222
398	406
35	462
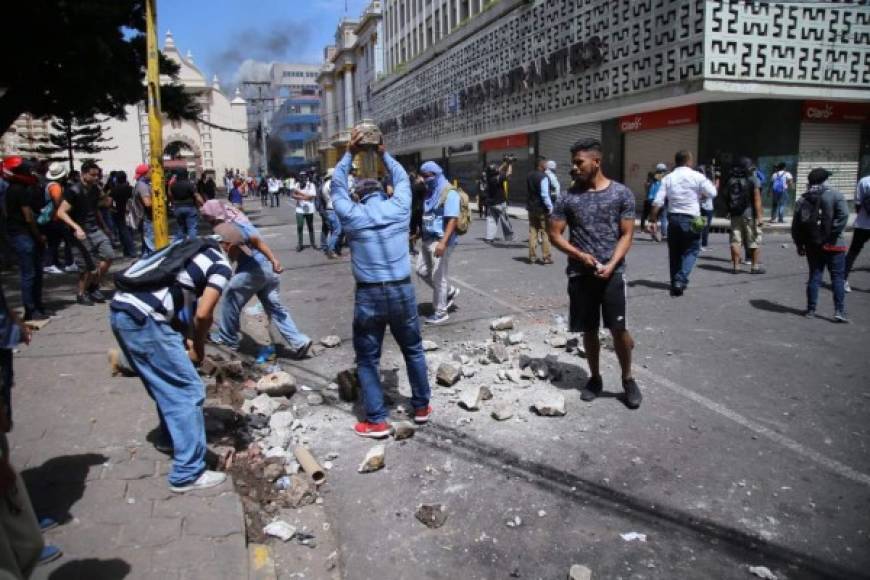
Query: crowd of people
162	308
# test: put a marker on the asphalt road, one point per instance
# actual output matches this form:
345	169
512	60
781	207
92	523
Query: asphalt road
751	446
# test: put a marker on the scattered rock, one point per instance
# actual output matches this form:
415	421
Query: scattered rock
431	515
374	460
578	572
633	536
550	406
273	471
485	393
540	369
314	399
331	341
299	491
516	338
430	345
403	430
468	372
280	529
348	385
558	341
262	405
277	384
513	375
332	387
503	412
281	420
448	374
515	522
762	572
497	353
279	438
503	323
470	399
316	350
527	374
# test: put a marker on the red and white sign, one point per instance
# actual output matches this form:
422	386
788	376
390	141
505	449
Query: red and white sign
687	115
835	112
509	142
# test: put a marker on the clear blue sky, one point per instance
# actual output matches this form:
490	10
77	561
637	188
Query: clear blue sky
223	33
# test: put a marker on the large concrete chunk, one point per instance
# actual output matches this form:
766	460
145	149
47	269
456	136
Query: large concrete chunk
578	572
431	515
348	385
331	341
262	405
277	384
503	412
503	323
550	406
470	398
448	374
374	460
497	353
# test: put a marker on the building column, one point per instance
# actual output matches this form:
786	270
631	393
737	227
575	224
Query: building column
330	110
348	97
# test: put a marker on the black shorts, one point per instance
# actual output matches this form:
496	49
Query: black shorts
591	298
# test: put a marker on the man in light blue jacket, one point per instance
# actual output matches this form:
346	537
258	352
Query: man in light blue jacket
377	232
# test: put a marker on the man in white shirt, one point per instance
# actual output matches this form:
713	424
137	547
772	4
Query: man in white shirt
780	183
862	225
304	193
683	189
274	191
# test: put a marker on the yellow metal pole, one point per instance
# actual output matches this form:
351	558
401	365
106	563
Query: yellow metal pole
155	129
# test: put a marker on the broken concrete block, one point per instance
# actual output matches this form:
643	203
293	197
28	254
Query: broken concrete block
468	372
558	341
348	385
262	405
374	460
503	412
331	341
280	529
431	515
497	353
503	323
762	572
470	399
403	430
279	438
516	338
550	406
281	420
448	374
485	394
277	384
578	572
430	345
513	375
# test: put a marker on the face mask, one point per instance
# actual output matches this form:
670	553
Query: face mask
429	180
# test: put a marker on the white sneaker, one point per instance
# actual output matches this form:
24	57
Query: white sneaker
206	480
451	297
72	268
846	286
52	270
437	318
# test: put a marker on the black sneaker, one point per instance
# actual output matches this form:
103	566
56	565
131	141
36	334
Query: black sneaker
810	314
300	352
841	318
34	316
593	388
97	295
300	248
632	394
676	291
84	300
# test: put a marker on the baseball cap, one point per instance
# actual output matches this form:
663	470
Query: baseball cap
232	235
141	170
661	167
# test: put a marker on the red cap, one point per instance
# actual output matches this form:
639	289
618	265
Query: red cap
141	170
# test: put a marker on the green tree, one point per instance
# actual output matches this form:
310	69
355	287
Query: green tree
79	58
73	135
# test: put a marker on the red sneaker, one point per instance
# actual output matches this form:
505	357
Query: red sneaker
373	430
422	415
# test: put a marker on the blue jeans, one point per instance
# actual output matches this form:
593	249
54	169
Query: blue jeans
683	248
779	202
334	231
705	235
835	262
187	218
148	247
30	267
157	354
375	308
251	278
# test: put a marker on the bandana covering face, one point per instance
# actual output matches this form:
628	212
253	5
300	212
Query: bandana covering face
436	183
219	211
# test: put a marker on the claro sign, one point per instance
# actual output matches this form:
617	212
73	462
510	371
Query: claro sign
570	60
835	112
659	119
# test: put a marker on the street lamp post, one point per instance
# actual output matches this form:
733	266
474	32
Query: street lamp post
155	130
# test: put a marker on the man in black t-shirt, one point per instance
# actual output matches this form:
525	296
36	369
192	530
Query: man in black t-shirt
94	252
121	193
24	201
599	213
185	200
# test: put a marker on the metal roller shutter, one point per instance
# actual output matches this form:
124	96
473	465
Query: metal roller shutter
834	146
556	144
522	166
466	169
644	149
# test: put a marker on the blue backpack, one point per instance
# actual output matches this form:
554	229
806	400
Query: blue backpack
780	183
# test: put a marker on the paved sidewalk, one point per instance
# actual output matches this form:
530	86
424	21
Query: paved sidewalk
81	443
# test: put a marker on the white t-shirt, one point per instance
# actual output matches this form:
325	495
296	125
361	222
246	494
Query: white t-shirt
305	207
788	178
683	188
274	185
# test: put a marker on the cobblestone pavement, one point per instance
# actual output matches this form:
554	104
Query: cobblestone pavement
81	443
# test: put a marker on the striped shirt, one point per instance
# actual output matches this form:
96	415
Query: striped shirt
207	269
